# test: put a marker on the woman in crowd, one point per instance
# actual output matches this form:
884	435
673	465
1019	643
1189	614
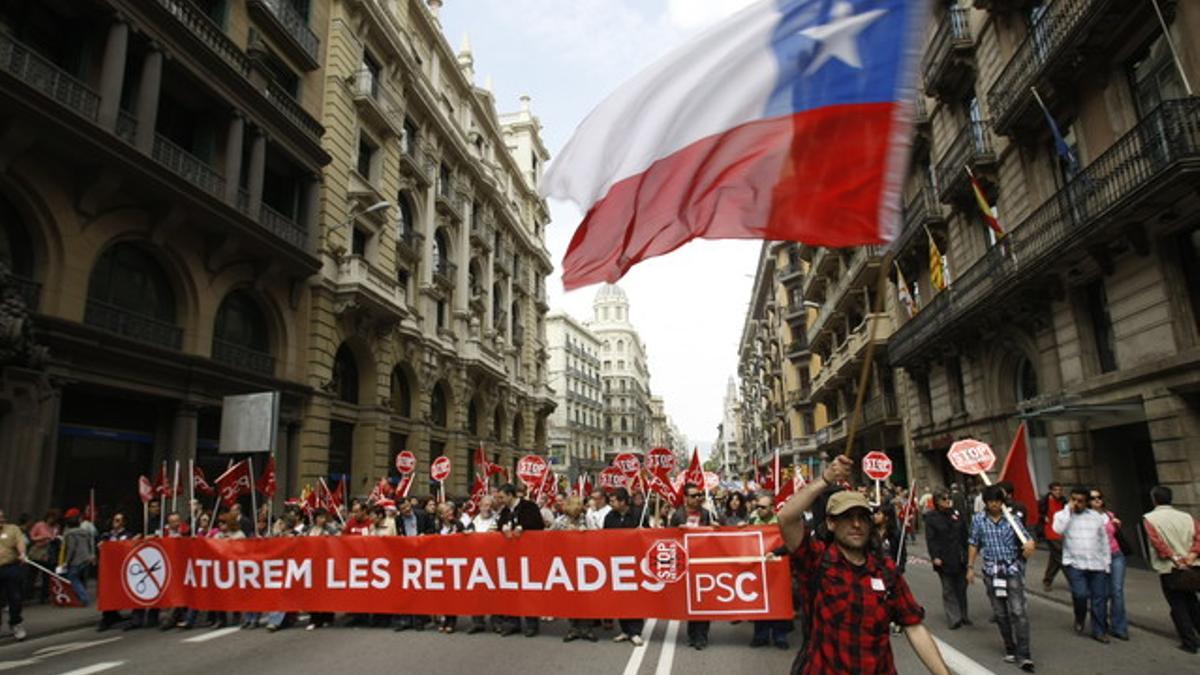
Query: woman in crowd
734	513
1118	622
44	544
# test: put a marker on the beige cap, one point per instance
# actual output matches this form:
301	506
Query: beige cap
844	501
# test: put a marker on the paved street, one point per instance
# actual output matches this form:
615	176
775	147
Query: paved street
203	652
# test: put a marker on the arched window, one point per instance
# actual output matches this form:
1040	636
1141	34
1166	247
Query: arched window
1026	383
620	346
127	278
404	207
438	411
240	336
441	251
472	418
401	393
345	375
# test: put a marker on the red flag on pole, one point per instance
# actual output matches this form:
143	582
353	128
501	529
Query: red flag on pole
487	468
145	489
1018	470
234	483
657	485
695	472
162	484
266	480
200	484
479	491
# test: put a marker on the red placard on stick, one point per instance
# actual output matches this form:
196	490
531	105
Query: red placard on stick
877	465
611	478
531	469
440	469
971	457
406	462
660	461
627	463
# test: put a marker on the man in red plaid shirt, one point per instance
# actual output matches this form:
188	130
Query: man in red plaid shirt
851	595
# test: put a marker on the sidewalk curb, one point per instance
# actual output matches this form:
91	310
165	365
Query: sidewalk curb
1066	602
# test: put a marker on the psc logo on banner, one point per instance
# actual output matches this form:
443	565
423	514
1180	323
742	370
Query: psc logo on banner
726	573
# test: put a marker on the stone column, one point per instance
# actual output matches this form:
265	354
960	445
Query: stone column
312	212
489	281
258	168
112	74
462	291
147	101
233	158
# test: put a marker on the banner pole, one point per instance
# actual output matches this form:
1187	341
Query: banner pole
162	504
253	497
145	519
192	493
175	488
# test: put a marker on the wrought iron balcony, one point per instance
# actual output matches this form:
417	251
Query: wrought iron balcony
949	50
921	211
972	147
188	167
242	358
1149	165
291	109
880	409
41	74
206	31
290	29
1045	51
283	227
862	256
126	127
132	325
414	162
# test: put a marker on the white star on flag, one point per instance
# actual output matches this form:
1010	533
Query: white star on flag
839	38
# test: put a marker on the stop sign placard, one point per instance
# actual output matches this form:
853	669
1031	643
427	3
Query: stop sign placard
440	469
531	469
627	463
660	461
877	465
971	456
611	478
406	462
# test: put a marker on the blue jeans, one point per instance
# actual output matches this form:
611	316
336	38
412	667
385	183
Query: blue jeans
1116	595
1090	588
75	576
1012	615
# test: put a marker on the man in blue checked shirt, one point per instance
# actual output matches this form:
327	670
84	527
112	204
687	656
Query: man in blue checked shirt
994	539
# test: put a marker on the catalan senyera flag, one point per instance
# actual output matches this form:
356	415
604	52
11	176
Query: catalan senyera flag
937	272
986	210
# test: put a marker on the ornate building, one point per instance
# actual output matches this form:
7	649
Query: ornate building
624	372
427	328
577	437
1084	320
160	195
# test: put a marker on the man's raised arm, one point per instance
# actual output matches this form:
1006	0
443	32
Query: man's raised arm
791	516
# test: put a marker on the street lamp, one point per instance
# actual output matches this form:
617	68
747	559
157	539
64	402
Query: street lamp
377	206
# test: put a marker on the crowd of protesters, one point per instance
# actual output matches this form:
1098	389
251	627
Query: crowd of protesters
967	533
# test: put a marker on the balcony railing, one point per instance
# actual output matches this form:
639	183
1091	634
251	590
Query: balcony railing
27	289
921	210
859	259
953	33
408	244
290	24
445	274
291	109
879	409
132	325
797	348
126	129
1138	163
208	32
38	72
189	167
1056	31
412	159
972	147
283	227
242	358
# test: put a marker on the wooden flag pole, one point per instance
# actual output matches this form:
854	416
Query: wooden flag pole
864	376
253	498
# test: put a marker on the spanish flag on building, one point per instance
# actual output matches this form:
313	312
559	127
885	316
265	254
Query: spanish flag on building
937	270
985	209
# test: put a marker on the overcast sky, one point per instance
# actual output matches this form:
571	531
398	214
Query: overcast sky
568	55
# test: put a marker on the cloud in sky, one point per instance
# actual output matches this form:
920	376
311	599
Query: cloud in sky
688	306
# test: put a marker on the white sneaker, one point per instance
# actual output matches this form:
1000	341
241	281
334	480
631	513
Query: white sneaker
19	632
621	638
637	640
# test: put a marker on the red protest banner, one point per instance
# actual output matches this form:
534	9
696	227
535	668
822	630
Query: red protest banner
723	574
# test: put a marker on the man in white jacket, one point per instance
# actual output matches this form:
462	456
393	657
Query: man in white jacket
1087	560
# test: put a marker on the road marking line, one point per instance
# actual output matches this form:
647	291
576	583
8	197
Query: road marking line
13	665
639	653
67	647
959	662
95	668
213	634
666	659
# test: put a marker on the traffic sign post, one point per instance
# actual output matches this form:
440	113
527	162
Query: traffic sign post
877	466
975	458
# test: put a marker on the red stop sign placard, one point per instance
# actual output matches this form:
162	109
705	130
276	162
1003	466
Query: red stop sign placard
971	456
611	478
627	463
406	462
531	469
877	465
440	469
660	461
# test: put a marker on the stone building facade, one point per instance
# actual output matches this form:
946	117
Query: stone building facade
427	328
624	370
577	437
1084	320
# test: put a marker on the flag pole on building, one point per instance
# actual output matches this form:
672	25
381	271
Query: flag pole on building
1187	85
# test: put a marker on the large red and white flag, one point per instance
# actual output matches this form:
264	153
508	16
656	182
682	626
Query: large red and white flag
235	482
266	480
1018	470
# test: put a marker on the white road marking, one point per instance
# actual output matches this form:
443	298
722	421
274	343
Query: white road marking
666	659
13	665
95	668
959	662
639	653
213	634
68	647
